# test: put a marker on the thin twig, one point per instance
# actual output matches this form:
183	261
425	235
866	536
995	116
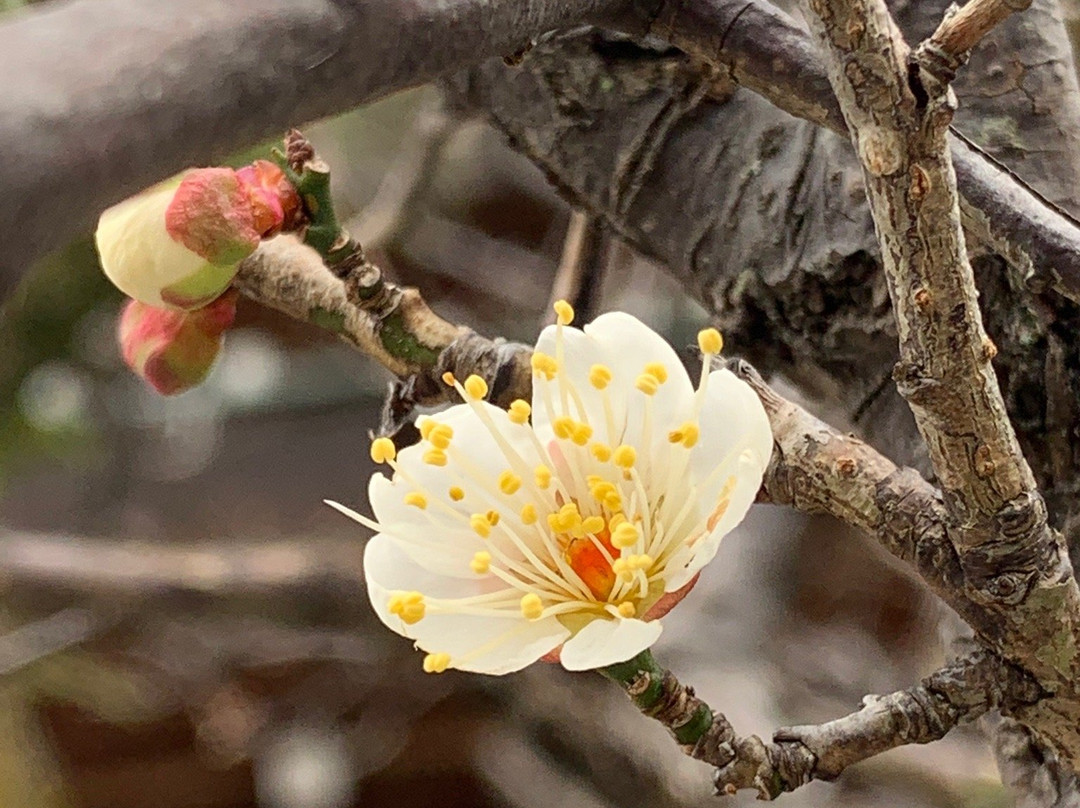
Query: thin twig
962	29
959	692
578	276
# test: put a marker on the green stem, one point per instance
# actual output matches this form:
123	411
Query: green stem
323	231
658	694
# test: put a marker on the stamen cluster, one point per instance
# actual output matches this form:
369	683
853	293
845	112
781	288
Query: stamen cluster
566	525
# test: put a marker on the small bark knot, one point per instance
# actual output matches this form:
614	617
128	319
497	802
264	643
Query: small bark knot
846	466
923	299
916	387
752	766
1008	587
938	63
715	745
989	349
919	185
298	150
881	151
984	461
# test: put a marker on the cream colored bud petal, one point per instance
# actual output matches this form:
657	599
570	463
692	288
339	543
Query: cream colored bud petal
605	642
140	257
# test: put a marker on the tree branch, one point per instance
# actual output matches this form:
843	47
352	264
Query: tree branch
580	270
393	325
816	469
898	121
768	52
962	29
959	692
143	88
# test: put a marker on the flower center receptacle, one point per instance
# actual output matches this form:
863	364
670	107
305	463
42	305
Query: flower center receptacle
591	564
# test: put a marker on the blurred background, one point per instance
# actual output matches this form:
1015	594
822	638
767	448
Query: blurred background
184	623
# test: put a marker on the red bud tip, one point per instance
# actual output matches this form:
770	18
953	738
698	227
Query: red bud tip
274	200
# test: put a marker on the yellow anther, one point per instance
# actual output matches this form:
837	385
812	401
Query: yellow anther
383	450
581	434
481	562
543	476
436	663
563	426
435	457
599	376
544	365
457	493
601	451
492	517
592	524
476	387
531	606
627	609
564	312
416	499
448	379
602	488
440	434
479	523
528	514
625	535
426	425
606	494
519	411
625	456
643	561
509	482
620	567
658	370
687	434
409	606
710	341
615	520
593	479
647	383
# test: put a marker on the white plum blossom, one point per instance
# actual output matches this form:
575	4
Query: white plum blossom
562	528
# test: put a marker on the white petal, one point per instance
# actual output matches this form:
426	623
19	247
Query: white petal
605	642
581	352
474	440
481	644
476	460
748	472
431	537
625	345
732	419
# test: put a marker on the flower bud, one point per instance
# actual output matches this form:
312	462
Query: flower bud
173	350
178	244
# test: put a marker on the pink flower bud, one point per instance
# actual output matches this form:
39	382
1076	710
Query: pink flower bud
179	244
174	350
274	200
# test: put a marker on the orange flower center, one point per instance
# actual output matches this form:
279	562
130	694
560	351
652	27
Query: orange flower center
589	562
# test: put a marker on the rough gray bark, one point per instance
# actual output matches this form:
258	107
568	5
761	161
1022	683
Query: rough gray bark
793	276
104	97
